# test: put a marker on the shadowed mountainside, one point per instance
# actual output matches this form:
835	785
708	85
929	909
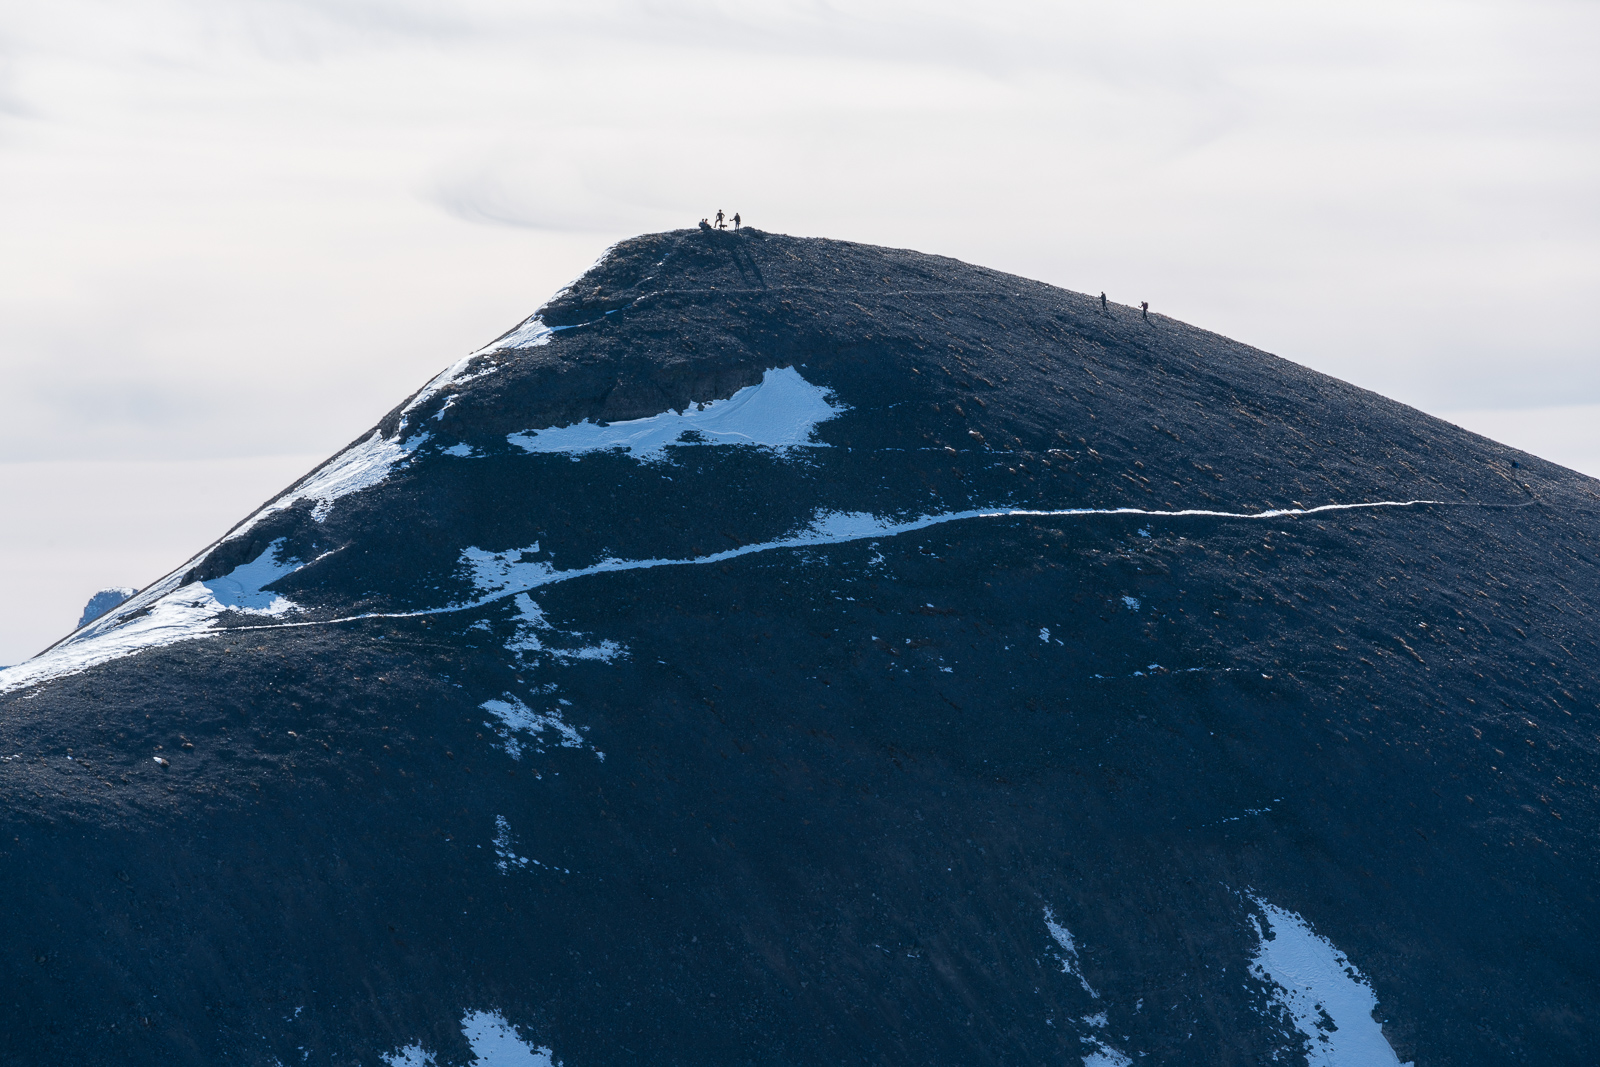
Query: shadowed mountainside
786	651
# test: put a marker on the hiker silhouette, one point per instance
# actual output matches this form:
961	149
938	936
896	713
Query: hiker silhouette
1144	309
736	220
1103	302
720	224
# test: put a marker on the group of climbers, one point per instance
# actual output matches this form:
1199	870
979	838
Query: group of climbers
722	222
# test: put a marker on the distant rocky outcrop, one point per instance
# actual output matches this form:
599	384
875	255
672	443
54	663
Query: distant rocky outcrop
104	601
789	651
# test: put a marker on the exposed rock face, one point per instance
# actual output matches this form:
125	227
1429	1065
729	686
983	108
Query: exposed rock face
104	601
790	651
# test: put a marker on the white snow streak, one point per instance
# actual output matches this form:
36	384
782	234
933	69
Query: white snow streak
1102	1054
181	615
370	460
503	574
531	333
1069	948
782	412
1330	1001
361	466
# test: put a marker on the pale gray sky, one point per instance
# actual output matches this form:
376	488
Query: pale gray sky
238	231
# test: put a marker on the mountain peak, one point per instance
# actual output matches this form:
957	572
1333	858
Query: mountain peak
835	652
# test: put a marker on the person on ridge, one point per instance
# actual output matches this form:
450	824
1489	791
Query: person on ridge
1144	309
1103	302
720	224
736	220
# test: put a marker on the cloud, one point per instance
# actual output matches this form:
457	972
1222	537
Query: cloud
247	227
565	188
1383	191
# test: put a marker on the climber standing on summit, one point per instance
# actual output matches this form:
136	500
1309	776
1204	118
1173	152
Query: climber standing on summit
736	220
720	224
1103	308
1144	309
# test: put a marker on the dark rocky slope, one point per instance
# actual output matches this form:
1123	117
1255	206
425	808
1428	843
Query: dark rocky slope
781	776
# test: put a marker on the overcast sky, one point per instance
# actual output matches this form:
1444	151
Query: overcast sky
238	231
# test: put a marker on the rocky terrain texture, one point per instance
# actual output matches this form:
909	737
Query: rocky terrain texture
785	651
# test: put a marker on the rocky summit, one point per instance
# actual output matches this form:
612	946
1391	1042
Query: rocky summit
781	651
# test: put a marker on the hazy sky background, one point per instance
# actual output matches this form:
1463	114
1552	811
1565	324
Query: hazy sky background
236	232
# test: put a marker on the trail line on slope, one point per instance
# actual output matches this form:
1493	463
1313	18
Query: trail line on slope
73	657
853	527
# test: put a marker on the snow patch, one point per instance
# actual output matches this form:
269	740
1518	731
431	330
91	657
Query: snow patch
361	466
516	717
491	572
831	526
1131	603
780	413
1329	999
169	614
182	615
531	333
241	589
604	652
497	573
494	1042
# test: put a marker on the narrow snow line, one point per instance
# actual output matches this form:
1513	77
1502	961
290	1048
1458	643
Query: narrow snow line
169	613
1276	513
828	530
